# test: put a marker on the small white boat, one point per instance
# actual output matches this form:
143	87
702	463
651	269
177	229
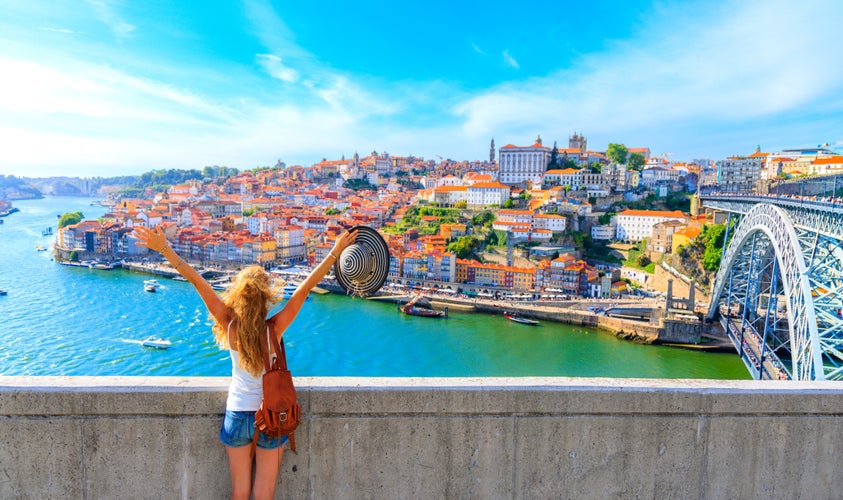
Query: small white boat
40	248
156	342
3	292
288	290
151	285
518	319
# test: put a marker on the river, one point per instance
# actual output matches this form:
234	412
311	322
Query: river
59	320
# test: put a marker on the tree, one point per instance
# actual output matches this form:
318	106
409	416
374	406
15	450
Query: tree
567	163
463	247
617	153
553	163
508	203
462	204
70	219
713	236
643	260
636	161
596	167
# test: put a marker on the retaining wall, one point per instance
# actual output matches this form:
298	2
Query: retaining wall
489	438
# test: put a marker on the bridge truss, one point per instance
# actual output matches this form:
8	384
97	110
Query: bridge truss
778	291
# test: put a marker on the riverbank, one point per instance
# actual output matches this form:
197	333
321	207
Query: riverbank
582	312
572	312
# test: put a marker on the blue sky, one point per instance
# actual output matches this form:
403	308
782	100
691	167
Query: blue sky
103	87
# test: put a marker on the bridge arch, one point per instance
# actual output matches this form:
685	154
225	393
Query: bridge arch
773	227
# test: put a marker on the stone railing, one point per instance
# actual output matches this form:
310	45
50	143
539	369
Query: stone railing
134	437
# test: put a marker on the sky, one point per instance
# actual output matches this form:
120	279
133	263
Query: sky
116	87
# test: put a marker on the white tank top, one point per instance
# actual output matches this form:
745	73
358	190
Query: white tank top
245	391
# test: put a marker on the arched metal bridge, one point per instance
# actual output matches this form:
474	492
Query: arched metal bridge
778	291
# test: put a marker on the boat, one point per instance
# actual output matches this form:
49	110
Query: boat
411	309
156	342
47	231
524	321
102	266
3	292
151	285
288	290
179	278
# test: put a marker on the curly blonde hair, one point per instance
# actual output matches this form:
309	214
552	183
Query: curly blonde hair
248	298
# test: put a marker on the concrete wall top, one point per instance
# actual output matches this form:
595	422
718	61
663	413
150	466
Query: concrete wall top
453	396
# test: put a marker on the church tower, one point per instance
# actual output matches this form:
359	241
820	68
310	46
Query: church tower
578	141
492	151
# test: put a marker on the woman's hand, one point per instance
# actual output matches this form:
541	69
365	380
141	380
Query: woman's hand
343	241
153	239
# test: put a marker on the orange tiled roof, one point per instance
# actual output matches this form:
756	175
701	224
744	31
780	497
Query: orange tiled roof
830	160
653	213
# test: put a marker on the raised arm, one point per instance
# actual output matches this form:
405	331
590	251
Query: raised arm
291	309
154	239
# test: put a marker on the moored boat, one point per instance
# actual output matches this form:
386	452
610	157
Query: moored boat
40	248
151	285
411	309
524	321
156	342
423	312
48	231
3	292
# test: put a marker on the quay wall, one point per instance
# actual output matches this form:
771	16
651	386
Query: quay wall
502	438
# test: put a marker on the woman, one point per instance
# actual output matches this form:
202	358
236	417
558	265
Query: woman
239	325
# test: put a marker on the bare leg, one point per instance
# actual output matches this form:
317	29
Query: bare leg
240	466
268	463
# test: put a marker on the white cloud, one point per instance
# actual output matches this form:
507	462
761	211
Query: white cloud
273	65
108	15
477	49
509	60
62	30
751	62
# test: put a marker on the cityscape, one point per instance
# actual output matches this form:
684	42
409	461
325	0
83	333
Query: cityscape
614	232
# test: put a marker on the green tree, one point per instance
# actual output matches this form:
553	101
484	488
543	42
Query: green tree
605	218
568	163
643	260
596	167
462	204
74	256
635	161
70	218
713	237
508	203
553	162
464	247
617	153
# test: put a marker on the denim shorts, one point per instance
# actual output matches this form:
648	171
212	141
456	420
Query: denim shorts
238	429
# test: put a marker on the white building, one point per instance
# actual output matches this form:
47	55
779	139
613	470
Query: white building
602	233
552	222
740	173
564	177
518	164
635	225
651	177
485	194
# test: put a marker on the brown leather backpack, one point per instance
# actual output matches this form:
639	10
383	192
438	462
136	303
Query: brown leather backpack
279	414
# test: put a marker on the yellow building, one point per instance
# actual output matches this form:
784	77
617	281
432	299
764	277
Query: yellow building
684	237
